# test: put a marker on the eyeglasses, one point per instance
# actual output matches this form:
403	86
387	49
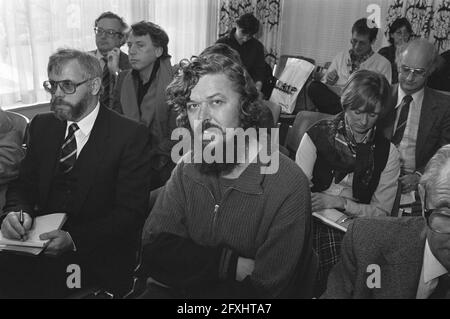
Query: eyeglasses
416	72
68	87
438	219
109	33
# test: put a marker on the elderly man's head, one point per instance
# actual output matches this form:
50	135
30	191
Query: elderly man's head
435	192
416	64
74	81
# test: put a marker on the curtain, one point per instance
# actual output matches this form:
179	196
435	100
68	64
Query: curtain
430	19
31	30
268	12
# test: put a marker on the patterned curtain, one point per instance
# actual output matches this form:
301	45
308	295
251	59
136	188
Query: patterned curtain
268	12
430	19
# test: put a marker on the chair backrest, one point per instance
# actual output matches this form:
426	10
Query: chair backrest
303	121
20	122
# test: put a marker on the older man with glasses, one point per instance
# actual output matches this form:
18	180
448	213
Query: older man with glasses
110	32
406	258
86	161
419	121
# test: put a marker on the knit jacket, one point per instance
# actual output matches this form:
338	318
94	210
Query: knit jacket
192	240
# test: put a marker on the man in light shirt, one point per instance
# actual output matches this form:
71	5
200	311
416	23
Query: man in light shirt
326	94
404	257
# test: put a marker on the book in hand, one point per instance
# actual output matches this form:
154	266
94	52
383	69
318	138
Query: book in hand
33	245
334	218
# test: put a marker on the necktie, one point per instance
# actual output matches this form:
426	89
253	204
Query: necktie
69	150
402	119
442	290
106	82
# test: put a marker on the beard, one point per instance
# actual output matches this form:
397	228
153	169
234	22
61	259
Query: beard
65	111
215	168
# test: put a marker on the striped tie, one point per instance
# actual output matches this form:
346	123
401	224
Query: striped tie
402	120
105	99
69	150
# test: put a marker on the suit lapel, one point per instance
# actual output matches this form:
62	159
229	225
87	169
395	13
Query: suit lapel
52	148
389	121
91	156
427	115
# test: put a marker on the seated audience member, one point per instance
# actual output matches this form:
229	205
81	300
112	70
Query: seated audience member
361	56
226	228
419	119
109	37
140	92
400	33
90	163
402	258
440	79
351	166
268	108
11	154
241	38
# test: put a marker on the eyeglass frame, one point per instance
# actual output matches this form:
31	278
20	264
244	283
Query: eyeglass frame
109	33
58	84
420	72
427	212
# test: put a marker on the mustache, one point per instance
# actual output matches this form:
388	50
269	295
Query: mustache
206	124
59	101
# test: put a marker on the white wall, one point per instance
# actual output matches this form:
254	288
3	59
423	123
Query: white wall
321	28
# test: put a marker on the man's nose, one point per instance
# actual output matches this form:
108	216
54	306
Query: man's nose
58	91
410	76
204	113
364	119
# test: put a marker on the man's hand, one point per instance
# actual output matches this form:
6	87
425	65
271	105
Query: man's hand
12	229
321	201
60	242
332	77
244	268
409	182
113	60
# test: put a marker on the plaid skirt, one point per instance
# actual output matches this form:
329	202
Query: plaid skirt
327	244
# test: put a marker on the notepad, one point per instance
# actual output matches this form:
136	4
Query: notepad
41	224
334	218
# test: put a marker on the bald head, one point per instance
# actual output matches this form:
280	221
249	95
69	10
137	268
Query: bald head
421	52
436	178
416	64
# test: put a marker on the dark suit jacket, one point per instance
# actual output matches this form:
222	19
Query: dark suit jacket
111	194
396	245
434	127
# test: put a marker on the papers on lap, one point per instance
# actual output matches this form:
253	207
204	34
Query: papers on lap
33	245
334	218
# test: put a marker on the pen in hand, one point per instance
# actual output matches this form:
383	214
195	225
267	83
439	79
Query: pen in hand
21	221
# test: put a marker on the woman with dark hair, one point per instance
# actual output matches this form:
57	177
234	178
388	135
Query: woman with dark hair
399	35
351	166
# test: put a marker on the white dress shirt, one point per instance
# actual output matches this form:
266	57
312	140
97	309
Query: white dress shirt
85	125
432	269
407	147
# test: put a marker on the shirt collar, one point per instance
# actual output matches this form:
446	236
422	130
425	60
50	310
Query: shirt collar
87	123
432	268
417	96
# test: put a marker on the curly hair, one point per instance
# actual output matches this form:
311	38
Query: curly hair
189	73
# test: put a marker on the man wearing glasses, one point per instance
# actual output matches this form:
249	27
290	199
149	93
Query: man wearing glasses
407	258
419	123
109	37
86	161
